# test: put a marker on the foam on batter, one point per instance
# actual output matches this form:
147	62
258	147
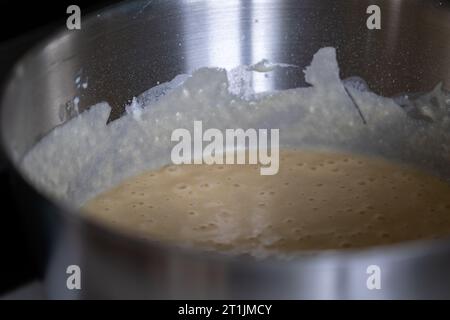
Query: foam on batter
86	156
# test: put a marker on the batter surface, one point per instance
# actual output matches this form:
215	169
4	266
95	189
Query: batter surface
318	200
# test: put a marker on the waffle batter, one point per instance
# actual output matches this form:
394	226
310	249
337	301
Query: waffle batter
318	200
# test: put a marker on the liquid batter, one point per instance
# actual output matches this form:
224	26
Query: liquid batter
318	200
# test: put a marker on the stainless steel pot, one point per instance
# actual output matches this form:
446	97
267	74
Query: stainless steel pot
127	48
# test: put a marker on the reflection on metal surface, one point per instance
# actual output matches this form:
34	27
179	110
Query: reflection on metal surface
218	36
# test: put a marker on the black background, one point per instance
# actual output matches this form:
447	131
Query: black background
23	24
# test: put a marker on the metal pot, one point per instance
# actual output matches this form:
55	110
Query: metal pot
125	49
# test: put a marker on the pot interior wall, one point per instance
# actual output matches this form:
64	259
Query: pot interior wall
122	51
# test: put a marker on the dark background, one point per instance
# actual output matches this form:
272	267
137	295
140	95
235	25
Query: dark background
21	17
22	25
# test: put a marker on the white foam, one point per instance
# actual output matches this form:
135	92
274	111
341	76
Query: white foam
86	156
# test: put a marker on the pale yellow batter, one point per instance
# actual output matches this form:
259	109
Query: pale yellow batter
318	200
